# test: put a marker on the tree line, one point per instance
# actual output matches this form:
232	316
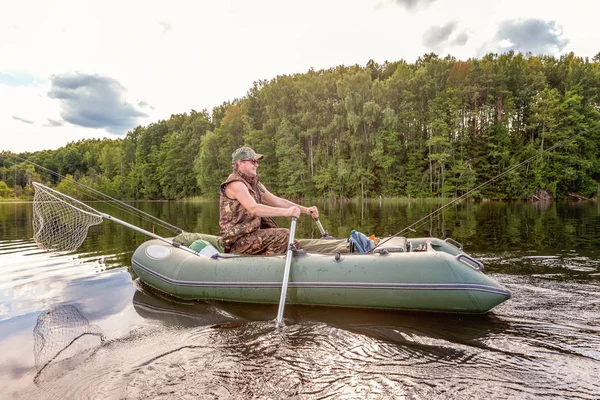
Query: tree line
434	128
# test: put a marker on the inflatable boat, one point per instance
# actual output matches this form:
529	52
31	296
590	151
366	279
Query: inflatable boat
424	274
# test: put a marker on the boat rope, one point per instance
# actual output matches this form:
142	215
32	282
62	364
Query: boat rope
431	214
103	197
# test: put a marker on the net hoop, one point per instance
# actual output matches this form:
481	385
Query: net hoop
60	222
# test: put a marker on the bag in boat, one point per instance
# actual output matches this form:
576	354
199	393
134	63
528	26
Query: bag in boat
359	242
204	248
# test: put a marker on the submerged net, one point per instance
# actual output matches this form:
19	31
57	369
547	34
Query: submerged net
63	333
60	223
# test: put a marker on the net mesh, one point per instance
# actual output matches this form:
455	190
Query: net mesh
60	223
63	333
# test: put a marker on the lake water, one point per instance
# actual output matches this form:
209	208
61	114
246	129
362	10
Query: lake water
79	325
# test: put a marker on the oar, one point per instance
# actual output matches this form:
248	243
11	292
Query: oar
324	233
286	274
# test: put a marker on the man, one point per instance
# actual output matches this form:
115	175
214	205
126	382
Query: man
245	221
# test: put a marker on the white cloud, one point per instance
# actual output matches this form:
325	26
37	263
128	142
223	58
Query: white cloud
441	39
413	5
528	35
94	101
26	121
505	44
45	129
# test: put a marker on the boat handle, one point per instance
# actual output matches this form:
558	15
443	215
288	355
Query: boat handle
454	243
470	262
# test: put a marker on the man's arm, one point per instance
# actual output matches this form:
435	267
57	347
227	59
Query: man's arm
279	202
237	190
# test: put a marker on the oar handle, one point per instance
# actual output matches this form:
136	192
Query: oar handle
286	274
324	233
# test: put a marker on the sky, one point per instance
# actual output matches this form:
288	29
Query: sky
72	70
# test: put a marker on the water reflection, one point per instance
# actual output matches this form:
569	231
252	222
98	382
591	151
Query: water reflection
228	350
224	350
344	353
63	337
169	311
166	310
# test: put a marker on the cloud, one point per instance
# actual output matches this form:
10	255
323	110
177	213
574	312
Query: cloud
529	35
437	37
461	39
22	120
94	101
52	123
412	5
144	104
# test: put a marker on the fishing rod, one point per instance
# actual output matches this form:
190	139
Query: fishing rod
124	206
431	214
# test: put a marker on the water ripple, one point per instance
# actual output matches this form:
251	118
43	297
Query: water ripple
544	343
317	360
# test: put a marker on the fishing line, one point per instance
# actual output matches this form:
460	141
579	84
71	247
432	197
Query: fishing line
431	214
119	204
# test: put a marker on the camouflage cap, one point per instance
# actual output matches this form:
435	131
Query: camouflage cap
245	153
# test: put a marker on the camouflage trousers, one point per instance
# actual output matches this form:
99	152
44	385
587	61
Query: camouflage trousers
265	242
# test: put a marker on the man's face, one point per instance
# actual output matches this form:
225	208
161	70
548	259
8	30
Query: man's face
248	167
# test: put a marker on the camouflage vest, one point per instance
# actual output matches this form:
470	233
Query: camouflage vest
235	221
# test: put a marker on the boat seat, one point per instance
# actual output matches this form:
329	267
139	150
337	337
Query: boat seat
187	238
329	246
324	246
396	244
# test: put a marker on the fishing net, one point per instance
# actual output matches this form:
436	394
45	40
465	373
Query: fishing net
60	223
61	334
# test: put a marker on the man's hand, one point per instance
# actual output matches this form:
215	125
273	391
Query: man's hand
313	212
293	211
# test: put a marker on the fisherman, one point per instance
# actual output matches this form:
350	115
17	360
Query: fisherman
245	219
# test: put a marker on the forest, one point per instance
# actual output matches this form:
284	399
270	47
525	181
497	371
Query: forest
438	127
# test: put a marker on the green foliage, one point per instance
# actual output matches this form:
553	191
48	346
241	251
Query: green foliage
435	128
68	187
5	191
213	163
292	172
